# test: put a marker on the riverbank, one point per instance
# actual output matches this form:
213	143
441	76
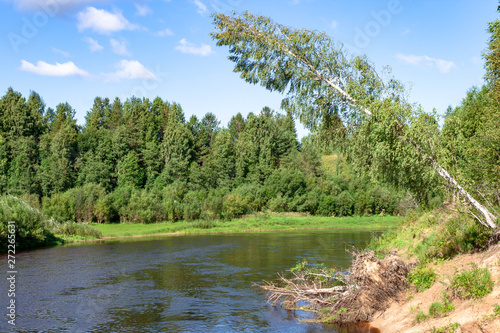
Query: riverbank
251	223
454	285
438	271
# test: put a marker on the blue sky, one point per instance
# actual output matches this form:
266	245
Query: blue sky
74	50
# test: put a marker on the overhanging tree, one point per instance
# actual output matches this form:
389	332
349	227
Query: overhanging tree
391	137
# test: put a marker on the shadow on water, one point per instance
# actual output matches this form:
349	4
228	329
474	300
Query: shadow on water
196	283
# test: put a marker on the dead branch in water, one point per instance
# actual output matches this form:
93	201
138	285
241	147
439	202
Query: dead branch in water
368	287
318	288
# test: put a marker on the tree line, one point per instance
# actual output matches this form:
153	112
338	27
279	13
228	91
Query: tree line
142	161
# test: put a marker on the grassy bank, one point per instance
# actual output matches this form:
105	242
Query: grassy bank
259	222
453	286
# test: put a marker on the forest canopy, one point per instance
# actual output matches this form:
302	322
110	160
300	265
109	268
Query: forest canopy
142	161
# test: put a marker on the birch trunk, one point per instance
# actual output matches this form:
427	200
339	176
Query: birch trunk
489	218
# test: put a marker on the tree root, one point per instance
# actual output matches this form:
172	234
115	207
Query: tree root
369	286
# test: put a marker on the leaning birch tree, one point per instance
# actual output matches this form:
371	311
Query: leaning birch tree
387	135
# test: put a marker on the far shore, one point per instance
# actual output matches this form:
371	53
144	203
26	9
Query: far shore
247	224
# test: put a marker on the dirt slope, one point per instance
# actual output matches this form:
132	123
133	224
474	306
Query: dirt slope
472	315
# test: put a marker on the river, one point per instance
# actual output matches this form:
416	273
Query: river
192	283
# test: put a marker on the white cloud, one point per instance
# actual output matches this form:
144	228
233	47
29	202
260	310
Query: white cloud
187	47
43	68
93	44
334	24
102	21
61	52
119	47
202	9
129	70
444	66
164	32
143	10
405	32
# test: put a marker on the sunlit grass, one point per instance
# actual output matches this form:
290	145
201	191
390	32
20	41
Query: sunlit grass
251	223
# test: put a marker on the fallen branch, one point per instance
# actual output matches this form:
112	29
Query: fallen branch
369	287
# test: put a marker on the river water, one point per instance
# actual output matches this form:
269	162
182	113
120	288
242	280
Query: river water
193	283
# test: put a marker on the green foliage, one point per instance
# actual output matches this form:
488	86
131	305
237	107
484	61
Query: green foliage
474	283
434	235
33	228
450	328
69	228
441	309
420	317
471	134
30	228
496	310
422	278
235	205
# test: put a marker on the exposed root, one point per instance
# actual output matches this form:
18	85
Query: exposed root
369	286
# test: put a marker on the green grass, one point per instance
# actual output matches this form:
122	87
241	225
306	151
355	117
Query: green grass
450	328
433	235
422	278
420	317
256	223
437	309
472	284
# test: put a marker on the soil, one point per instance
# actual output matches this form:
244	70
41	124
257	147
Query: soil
472	315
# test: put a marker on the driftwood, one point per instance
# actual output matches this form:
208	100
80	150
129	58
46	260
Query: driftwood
369	286
290	292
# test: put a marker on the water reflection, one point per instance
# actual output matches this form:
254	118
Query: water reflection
198	283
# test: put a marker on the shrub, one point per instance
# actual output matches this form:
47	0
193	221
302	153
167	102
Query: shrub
173	195
193	204
326	205
144	207
235	205
30	229
440	309
474	283
60	206
422	278
103	209
278	204
213	207
420	317
345	204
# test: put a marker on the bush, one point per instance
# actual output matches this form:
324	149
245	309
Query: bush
474	283
60	206
326	205
214	204
235	205
193	204
441	309
420	317
278	204
173	195
76	204
345	204
144	207
422	278
30	229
